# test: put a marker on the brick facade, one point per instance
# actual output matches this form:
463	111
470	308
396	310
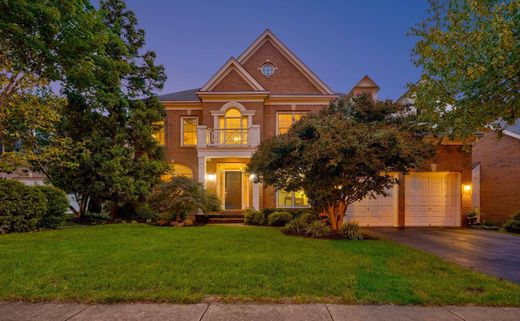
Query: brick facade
499	159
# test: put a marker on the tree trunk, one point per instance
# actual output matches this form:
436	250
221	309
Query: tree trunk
336	214
115	210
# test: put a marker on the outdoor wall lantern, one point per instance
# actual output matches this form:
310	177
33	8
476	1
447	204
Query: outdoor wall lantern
466	188
211	177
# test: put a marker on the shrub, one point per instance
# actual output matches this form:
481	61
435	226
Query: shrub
182	196
57	205
279	218
513	224
267	212
304	211
296	226
137	211
21	206
317	229
350	231
254	217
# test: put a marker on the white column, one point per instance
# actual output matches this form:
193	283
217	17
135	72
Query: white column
202	169
256	196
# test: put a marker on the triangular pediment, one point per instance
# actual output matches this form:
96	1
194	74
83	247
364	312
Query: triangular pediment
268	46
232	77
366	82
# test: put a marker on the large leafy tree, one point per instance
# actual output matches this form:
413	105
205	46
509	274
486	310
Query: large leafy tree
39	40
469	53
119	161
342	154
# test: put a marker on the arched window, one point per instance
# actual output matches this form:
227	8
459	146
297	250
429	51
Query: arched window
177	170
233	127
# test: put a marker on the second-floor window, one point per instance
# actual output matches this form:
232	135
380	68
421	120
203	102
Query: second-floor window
189	131
286	119
233	127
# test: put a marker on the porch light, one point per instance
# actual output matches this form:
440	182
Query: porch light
466	188
252	177
211	177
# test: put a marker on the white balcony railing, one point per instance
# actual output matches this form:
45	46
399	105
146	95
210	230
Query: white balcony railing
212	137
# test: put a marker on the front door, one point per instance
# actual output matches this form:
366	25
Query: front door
233	190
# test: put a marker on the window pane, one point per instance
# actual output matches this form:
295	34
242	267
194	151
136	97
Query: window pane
284	122
300	199
189	131
159	135
285	199
233	112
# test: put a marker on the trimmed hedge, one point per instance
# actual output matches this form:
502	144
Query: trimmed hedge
513	225
254	217
57	205
21	207
279	218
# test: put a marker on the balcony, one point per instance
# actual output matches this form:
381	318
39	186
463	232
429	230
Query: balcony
228	138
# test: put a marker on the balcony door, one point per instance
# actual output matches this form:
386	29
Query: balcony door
233	128
233	190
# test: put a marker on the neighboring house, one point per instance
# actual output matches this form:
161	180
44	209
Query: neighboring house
496	174
210	133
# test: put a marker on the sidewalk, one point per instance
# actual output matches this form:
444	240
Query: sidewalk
22	311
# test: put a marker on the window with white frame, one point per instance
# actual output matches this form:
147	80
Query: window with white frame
189	131
291	199
286	119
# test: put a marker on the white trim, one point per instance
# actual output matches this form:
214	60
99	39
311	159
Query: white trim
511	134
181	108
182	130
230	65
267	35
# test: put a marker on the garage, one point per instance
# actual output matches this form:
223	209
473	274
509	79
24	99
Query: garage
432	199
381	211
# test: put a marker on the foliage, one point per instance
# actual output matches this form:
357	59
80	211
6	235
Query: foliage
39	41
57	205
337	156
513	224
317	230
138	211
21	207
120	161
304	212
254	217
279	218
470	57
182	196
296	226
268	211
350	231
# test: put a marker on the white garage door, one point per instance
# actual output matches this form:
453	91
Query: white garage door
432	199
381	211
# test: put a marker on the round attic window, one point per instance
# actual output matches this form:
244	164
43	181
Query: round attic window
267	69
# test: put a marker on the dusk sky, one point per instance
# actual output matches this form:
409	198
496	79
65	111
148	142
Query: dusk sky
340	41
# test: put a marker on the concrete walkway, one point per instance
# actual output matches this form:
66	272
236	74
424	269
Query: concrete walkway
22	311
484	251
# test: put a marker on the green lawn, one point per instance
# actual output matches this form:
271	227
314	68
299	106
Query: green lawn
136	262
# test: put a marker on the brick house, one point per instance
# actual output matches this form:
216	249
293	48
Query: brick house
496	174
211	132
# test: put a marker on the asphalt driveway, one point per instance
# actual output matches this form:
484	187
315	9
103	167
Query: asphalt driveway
489	252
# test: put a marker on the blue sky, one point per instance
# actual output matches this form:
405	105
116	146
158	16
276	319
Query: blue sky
340	41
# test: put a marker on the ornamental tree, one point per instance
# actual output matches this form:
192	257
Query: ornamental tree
342	154
469	54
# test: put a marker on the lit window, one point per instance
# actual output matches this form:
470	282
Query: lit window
159	132
292	199
177	170
267	69
285	120
189	131
233	127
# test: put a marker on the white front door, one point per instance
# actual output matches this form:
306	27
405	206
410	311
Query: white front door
381	211
432	199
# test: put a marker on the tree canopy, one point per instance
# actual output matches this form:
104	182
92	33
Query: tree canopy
342	154
469	54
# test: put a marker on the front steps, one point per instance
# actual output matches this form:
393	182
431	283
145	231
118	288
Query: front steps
224	217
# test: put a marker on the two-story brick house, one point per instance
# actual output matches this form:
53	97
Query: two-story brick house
211	132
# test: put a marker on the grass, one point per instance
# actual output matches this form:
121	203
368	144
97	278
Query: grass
134	262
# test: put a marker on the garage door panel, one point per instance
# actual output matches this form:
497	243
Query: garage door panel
379	211
432	199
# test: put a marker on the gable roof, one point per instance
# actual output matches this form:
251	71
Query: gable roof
230	65
366	82
267	35
185	95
